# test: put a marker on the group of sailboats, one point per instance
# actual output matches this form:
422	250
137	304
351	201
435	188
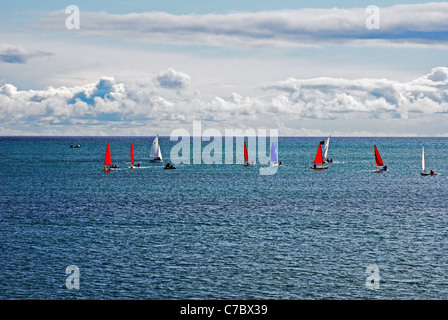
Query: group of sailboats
274	160
155	154
318	164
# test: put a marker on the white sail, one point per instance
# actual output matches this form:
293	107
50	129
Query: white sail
155	149
159	153
423	158
327	145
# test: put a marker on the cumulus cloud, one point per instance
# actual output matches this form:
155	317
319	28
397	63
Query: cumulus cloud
414	24
172	79
124	103
19	55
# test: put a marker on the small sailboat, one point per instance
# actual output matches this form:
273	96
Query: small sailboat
318	159
107	159
379	161
246	156
424	173
132	158
274	160
326	147
156	153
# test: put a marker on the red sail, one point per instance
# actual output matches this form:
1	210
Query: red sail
318	158
246	156
132	152
379	161
107	159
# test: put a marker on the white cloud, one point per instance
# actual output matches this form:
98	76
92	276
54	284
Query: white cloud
117	104
18	55
414	24
172	79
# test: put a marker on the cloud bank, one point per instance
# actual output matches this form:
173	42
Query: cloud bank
19	55
122	105
415	24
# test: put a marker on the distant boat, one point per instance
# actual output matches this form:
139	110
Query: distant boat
379	161
318	159
156	153
274	160
424	173
132	158
75	146
246	156
107	159
326	147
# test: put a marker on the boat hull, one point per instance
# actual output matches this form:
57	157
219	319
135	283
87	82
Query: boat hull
319	168
428	174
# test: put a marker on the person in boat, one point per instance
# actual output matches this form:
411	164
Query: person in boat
385	168
280	163
431	172
169	166
314	166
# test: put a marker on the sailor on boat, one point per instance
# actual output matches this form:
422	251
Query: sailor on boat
432	172
169	166
384	168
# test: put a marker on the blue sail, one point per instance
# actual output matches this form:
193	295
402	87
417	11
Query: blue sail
273	153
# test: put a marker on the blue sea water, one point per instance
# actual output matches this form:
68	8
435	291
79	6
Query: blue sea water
222	231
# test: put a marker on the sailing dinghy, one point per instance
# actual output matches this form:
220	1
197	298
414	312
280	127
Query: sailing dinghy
274	160
108	160
246	156
156	153
424	173
132	158
318	159
379	161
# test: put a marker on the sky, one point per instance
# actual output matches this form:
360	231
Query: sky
305	68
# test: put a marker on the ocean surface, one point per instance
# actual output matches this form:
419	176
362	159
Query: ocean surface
222	231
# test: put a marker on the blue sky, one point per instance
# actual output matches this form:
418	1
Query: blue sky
303	67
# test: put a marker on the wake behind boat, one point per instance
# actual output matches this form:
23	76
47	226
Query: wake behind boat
156	152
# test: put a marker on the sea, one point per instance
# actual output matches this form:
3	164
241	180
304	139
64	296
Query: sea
68	230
